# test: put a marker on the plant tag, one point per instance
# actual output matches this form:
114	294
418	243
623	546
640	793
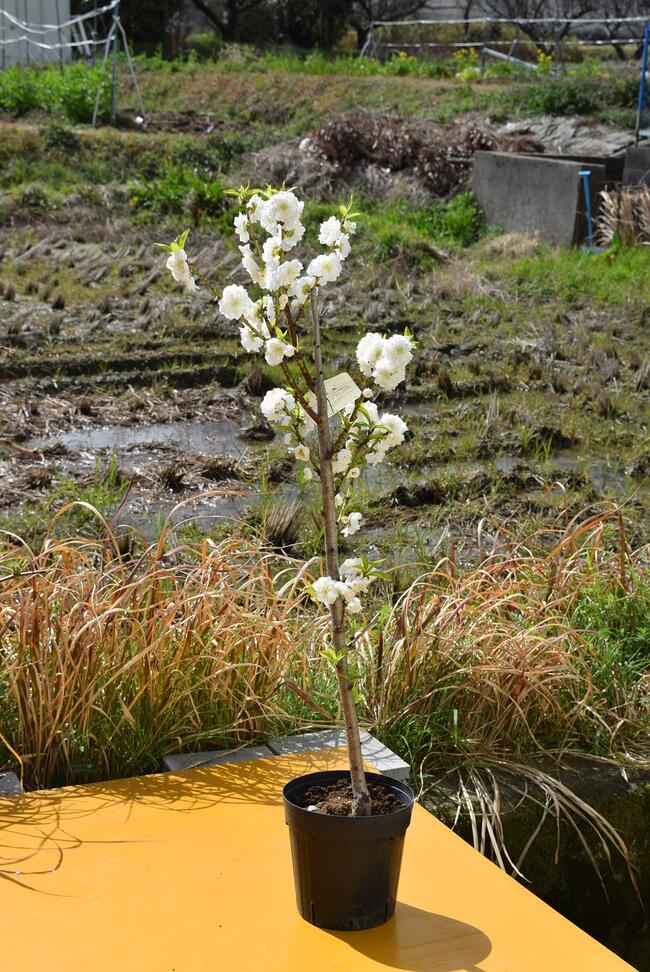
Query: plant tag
340	391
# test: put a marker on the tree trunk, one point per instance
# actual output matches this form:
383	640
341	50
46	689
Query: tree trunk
361	804
210	15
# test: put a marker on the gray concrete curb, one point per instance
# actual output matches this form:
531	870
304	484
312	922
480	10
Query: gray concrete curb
375	753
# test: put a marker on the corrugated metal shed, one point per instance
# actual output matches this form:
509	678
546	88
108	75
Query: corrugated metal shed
40	43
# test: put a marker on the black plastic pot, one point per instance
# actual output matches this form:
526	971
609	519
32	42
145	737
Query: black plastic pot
346	869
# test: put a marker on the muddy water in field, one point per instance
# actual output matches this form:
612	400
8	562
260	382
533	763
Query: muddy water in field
221	437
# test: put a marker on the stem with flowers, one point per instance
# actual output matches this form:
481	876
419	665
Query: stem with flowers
274	321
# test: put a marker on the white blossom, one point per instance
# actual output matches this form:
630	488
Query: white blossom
291	236
284	207
249	340
235	303
398	350
369	351
250	265
352	524
325	590
330	231
272	252
241	227
326	268
180	271
277	406
341	461
395	427
307	473
354	473
284	275
354	606
275	351
301	289
302	453
352	573
342	246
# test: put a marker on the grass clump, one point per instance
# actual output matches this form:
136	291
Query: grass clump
111	659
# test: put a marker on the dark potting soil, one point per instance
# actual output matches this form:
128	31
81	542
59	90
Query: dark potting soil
336	799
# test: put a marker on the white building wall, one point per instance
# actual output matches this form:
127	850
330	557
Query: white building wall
43	16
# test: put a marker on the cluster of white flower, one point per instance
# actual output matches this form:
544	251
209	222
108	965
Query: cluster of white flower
384	359
351	523
354	581
180	271
268	229
279	280
278	406
371	433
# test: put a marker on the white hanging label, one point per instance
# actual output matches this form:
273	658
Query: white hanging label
340	391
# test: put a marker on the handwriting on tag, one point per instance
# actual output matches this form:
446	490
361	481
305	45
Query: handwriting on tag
340	391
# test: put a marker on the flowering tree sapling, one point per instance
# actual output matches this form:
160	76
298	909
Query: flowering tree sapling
278	316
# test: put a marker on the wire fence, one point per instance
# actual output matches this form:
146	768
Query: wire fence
557	33
29	38
93	34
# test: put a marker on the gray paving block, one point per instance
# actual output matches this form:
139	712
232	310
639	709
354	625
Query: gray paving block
536	195
374	752
9	785
176	762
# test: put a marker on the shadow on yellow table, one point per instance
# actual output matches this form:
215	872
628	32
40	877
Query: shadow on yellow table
191	872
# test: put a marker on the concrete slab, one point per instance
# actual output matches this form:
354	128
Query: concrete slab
9	785
192	871
636	171
374	752
613	164
536	195
176	762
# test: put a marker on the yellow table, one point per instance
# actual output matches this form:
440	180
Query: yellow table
191	872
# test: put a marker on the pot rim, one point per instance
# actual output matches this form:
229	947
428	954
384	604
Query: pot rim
398	787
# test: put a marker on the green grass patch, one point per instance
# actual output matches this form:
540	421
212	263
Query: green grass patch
400	231
547	275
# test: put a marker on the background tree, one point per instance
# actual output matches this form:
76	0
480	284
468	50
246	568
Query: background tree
225	14
363	12
149	24
312	23
520	11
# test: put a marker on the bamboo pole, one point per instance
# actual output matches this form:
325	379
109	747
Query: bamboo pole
361	798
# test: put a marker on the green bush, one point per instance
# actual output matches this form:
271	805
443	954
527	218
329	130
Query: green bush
206	46
565	97
460	221
69	93
179	191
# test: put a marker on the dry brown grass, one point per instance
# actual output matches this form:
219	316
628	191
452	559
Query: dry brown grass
625	214
491	659
108	663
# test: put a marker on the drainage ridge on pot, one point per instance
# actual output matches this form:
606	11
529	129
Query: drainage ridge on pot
346	869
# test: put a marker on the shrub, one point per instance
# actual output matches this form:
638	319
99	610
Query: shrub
565	97
177	191
70	93
461	220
